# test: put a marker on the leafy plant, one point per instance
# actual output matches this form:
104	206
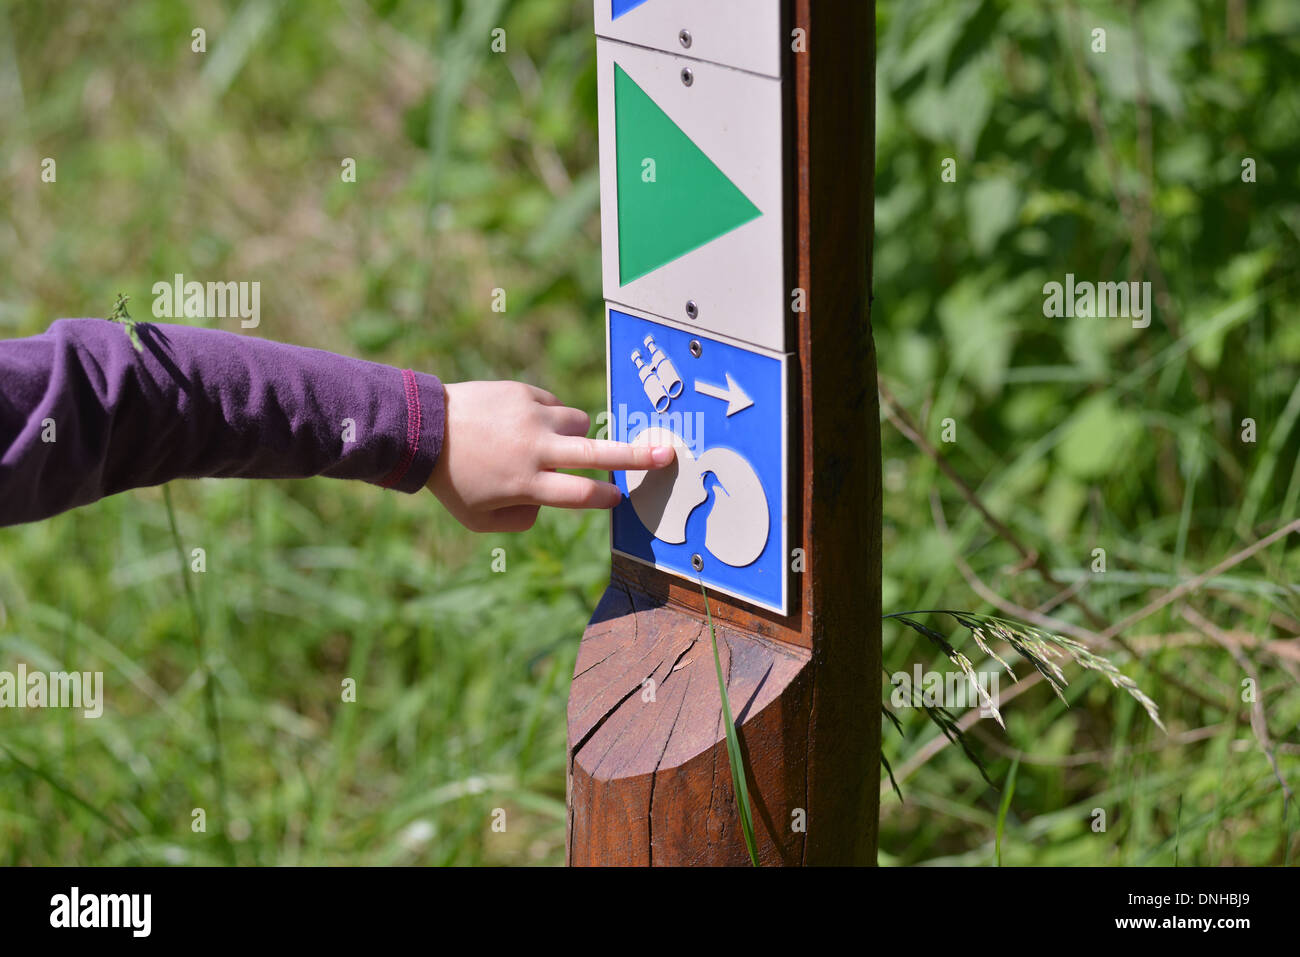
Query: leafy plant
120	315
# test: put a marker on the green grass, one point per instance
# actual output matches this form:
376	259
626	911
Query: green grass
735	757
476	171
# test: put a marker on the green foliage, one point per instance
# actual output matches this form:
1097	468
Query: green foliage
227	165
1081	434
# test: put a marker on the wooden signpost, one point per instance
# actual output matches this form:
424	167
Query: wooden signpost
736	196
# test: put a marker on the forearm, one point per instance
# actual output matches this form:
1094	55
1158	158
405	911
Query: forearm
83	415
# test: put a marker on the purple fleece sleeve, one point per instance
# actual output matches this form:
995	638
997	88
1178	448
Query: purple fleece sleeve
83	415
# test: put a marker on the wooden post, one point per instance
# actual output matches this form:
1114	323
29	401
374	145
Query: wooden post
649	780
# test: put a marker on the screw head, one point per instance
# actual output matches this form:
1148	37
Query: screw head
697	562
685	38
688	76
692	310
696	348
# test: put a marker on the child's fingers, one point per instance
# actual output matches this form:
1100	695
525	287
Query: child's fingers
542	396
573	491
576	452
567	421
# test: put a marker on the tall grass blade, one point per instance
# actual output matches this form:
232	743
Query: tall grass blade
211	716
1008	790
119	829
1178	829
733	744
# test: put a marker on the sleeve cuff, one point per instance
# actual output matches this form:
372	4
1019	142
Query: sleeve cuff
423	430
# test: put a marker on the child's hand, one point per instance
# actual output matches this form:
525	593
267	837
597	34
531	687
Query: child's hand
501	447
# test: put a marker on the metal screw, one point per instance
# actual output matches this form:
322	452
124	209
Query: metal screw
697	562
685	38
688	77
692	310
696	348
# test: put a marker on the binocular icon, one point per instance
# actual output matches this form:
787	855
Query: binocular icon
659	377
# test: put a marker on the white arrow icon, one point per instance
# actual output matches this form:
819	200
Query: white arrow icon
736	398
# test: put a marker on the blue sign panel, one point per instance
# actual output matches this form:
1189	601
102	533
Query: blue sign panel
718	514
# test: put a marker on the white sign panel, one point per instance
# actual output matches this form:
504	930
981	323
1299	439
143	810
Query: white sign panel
745	34
692	192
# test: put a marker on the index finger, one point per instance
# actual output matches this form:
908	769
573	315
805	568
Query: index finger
577	452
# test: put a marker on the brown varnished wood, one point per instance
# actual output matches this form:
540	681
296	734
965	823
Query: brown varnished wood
648	784
649	781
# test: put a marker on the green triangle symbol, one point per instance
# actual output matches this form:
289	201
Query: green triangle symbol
686	203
